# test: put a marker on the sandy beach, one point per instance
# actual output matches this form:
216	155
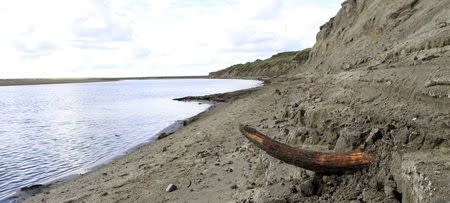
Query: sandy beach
183	159
210	161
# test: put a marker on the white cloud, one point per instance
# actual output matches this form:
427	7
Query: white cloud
111	38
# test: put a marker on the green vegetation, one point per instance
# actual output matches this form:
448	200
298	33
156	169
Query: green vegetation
276	65
302	56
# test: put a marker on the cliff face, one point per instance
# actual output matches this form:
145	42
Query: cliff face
368	34
381	64
377	80
276	65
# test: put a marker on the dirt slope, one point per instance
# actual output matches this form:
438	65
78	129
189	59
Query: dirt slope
372	34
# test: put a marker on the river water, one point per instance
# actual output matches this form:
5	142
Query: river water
52	131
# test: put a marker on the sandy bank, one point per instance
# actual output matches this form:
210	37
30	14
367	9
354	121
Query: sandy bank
169	139
210	161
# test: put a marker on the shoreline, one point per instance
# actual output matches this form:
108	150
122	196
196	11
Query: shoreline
209	160
364	86
48	81
29	191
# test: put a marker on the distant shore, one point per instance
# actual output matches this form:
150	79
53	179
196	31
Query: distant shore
44	81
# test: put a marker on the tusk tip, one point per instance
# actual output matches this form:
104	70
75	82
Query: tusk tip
244	128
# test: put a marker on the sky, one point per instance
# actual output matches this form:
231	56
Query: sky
129	38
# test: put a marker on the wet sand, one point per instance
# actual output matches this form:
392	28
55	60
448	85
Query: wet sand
150	161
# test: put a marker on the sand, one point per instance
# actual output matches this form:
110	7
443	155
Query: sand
194	158
210	161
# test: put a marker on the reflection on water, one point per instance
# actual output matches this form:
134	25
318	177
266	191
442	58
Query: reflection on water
50	131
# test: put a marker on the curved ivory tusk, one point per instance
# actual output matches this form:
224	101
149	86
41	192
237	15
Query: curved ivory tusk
325	163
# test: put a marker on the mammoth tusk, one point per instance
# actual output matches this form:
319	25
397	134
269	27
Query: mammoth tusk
320	162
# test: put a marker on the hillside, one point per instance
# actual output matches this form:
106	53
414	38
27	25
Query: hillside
276	65
378	80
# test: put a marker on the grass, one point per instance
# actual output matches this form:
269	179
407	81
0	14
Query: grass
274	61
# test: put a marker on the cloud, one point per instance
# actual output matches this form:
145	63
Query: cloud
91	44
265	9
106	66
40	49
109	38
141	53
103	24
106	30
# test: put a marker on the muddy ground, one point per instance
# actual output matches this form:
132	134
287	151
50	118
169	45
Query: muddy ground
377	111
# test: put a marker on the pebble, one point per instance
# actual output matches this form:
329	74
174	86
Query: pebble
229	170
389	191
278	92
307	188
365	195
234	186
251	186
171	188
294	189
442	24
374	135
